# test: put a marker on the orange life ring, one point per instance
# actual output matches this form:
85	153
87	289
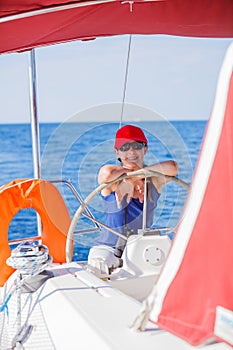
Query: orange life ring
45	198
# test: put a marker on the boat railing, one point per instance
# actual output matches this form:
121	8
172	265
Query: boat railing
88	214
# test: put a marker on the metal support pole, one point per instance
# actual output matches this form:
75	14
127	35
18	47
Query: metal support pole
34	124
34	116
144	205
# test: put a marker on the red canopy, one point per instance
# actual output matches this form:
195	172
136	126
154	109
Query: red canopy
25	24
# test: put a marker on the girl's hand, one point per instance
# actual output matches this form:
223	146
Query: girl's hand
125	187
139	190
131	188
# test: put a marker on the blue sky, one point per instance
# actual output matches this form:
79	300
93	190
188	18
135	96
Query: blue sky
175	77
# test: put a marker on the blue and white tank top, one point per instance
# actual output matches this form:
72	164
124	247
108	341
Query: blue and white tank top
131	215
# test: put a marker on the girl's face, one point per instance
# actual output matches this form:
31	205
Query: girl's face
132	155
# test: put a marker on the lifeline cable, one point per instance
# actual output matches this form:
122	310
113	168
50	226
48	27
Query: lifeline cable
125	82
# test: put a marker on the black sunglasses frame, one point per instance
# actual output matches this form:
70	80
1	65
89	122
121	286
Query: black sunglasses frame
136	146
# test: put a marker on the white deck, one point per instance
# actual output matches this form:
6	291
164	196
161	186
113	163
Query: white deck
77	310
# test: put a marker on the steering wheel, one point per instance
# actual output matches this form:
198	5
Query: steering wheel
141	172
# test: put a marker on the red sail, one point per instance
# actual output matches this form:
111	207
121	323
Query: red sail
198	276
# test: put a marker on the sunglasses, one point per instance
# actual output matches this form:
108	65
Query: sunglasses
135	145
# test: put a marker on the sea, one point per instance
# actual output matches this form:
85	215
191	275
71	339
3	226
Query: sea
74	152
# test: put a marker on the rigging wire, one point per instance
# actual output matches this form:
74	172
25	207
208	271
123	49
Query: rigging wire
125	82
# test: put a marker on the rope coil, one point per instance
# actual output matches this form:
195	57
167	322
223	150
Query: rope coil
29	258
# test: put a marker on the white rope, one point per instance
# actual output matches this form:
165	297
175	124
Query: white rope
29	258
